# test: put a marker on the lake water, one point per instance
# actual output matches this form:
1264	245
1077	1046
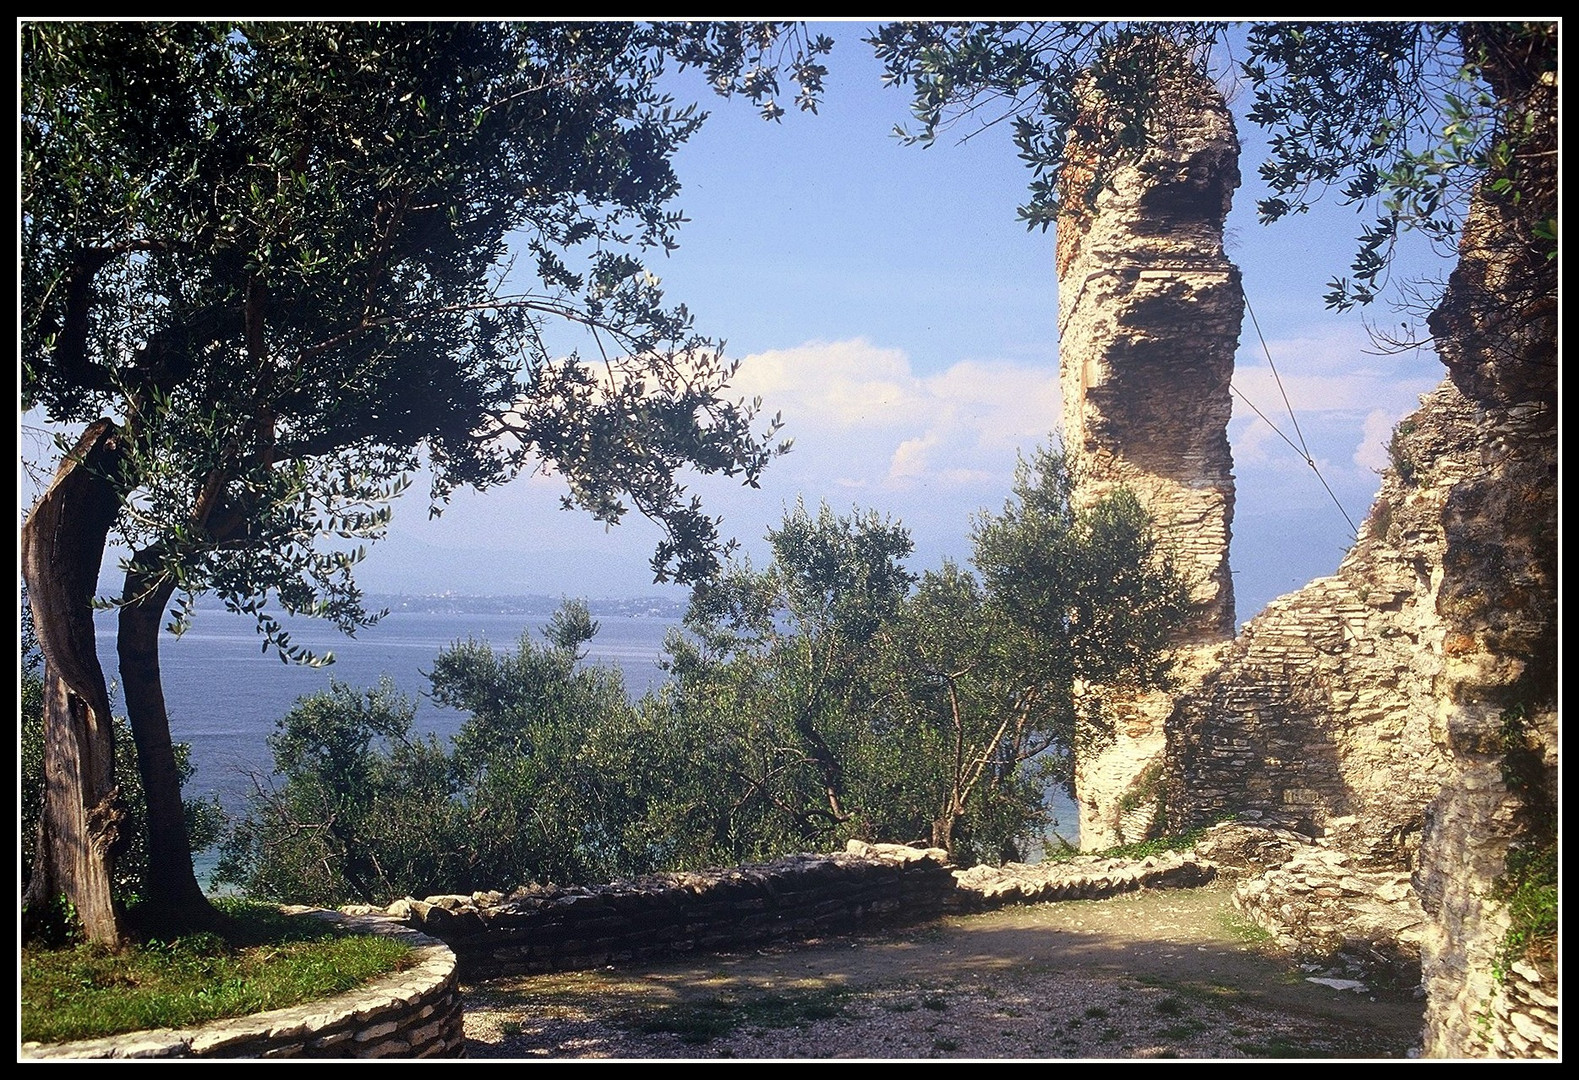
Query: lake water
224	695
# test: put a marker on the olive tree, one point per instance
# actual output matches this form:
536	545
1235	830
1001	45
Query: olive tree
986	670
269	268
844	697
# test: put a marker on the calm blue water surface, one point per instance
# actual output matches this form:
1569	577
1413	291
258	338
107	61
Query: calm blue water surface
224	694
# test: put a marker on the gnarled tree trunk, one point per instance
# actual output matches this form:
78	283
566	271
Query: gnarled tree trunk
62	547
173	900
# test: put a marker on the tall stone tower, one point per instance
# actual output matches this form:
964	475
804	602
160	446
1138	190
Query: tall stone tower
1149	310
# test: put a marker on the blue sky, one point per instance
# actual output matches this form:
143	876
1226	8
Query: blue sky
885	300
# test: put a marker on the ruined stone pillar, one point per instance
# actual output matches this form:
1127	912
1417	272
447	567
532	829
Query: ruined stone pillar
1149	309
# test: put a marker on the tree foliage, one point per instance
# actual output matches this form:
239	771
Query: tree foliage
1394	118
268	265
779	664
275	253
554	776
851	700
1398	117
364	812
830	695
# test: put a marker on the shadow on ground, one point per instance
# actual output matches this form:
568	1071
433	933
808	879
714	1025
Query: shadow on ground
1153	974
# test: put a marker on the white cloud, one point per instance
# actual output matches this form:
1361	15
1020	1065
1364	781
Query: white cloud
934	447
1345	398
1333	372
1372	452
910	459
862	418
1250	445
844	384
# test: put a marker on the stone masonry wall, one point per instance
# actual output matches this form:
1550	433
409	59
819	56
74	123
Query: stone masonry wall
540	929
1416	690
1149	310
1323	904
1322	707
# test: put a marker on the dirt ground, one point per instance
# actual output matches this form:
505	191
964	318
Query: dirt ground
1151	974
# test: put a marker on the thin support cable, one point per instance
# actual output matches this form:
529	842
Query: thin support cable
1265	420
1276	377
1302	449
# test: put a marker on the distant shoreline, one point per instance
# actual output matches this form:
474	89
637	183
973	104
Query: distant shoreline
531	604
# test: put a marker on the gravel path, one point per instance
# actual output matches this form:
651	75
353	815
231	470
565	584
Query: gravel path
1151	974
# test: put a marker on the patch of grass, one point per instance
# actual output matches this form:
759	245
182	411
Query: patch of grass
1177	842
944	1044
1171	1006
1244	930
1182	1031
693	1023
934	1002
1277	1046
696	1022
1403	462
1530	891
1095	1012
267	961
1109	1034
1529	886
1380	521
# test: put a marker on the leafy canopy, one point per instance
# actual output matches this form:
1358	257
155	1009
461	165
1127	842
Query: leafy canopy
848	698
1396	118
830	695
292	261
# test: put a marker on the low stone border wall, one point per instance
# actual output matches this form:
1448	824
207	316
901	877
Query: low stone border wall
1085	877
536	930
412	1013
1362	924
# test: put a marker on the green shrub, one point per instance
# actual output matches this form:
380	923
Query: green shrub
1403	462
833	695
1529	886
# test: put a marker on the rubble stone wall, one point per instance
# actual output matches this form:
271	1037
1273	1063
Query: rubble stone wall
1496	714
1412	697
542	929
1322	708
1323	904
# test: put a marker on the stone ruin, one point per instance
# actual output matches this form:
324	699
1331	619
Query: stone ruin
1149	308
1319	709
1370	711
